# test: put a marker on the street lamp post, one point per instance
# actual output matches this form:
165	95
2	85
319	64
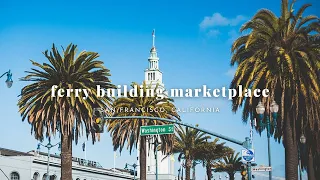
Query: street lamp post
302	141
156	143
134	169
260	109
9	81
48	146
182	166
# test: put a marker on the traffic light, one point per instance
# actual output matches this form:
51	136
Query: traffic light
243	172
98	120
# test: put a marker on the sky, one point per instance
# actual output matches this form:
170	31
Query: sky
193	40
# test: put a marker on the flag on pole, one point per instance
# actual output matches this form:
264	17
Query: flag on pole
84	146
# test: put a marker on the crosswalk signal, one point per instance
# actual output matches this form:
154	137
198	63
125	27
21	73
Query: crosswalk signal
98	120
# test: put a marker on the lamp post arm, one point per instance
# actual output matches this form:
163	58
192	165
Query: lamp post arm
244	144
4	74
56	144
43	145
49	145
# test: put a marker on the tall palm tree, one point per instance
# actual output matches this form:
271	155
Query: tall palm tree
210	152
128	130
281	54
187	143
67	116
230	164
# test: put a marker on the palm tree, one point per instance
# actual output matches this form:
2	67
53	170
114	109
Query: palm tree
187	143
230	164
128	130
68	116
281	54
210	152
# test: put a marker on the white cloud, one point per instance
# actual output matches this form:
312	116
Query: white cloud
237	20
213	33
218	20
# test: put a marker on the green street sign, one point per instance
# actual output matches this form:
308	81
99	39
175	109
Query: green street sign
156	130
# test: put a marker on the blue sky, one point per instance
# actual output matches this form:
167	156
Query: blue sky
193	40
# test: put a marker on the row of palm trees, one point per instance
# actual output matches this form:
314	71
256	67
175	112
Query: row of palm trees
278	53
195	147
282	54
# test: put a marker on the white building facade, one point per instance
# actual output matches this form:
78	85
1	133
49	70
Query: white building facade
153	77
15	165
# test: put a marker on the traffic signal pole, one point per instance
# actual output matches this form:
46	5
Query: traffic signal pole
246	144
249	171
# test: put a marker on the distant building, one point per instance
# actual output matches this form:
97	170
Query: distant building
153	77
15	165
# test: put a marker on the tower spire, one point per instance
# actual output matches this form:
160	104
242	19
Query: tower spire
153	37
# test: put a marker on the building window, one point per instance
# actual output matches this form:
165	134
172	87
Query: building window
14	176
53	177
148	168
36	176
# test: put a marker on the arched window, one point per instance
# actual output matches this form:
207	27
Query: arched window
44	177
36	176
14	176
53	177
78	179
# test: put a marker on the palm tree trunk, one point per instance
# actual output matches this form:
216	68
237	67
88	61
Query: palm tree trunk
66	157
188	167
143	158
311	172
208	171
291	152
231	176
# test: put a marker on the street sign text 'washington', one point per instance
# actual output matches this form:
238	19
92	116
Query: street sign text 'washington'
158	129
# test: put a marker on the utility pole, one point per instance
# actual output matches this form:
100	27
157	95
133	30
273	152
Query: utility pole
156	143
